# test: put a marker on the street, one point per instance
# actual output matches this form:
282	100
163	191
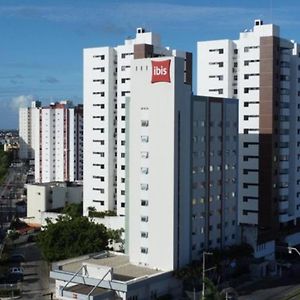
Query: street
10	193
36	273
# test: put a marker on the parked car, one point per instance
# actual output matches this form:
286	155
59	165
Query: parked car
16	270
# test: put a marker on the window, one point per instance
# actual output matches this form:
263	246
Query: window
99	189
144	139
98	105
101	69
99	165
102	81
99	177
144	234
144	123
144	219
99	117
102	94
144	186
123	80
101	142
144	154
99	201
219	77
99	129
220	51
220	64
144	202
124	93
219	91
144	250
101	154
144	170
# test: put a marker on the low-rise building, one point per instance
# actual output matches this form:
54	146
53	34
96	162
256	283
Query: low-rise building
110	275
45	197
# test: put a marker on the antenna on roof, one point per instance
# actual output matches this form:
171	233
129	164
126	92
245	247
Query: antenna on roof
271	10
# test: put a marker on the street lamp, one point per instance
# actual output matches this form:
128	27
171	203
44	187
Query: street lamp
291	249
203	272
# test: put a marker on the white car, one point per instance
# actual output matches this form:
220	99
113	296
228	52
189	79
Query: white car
16	270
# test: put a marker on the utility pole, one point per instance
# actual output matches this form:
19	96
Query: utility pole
203	272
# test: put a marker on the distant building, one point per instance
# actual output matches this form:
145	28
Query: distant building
53	137
49	197
59	156
28	134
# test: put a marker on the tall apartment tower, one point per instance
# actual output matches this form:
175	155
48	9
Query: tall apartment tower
27	125
59	154
214	221
53	137
158	160
261	69
107	84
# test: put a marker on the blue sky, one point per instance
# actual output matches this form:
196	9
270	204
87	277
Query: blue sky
41	40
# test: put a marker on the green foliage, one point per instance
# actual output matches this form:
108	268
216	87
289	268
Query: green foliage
211	291
116	236
74	210
189	272
71	237
100	214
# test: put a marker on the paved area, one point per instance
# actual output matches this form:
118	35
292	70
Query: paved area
36	274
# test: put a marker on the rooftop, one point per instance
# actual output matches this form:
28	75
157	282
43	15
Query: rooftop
123	270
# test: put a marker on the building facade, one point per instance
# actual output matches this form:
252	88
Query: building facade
59	156
28	117
158	162
261	69
46	197
214	174
53	137
107	84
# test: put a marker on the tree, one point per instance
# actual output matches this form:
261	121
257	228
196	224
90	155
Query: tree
74	210
211	291
71	237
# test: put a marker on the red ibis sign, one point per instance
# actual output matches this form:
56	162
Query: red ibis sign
161	71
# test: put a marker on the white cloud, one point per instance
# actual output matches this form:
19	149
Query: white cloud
21	101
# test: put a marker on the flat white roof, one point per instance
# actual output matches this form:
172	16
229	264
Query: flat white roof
123	270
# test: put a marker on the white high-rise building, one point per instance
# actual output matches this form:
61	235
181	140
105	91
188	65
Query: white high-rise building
261	69
107	83
59	156
53	137
27	134
158	213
